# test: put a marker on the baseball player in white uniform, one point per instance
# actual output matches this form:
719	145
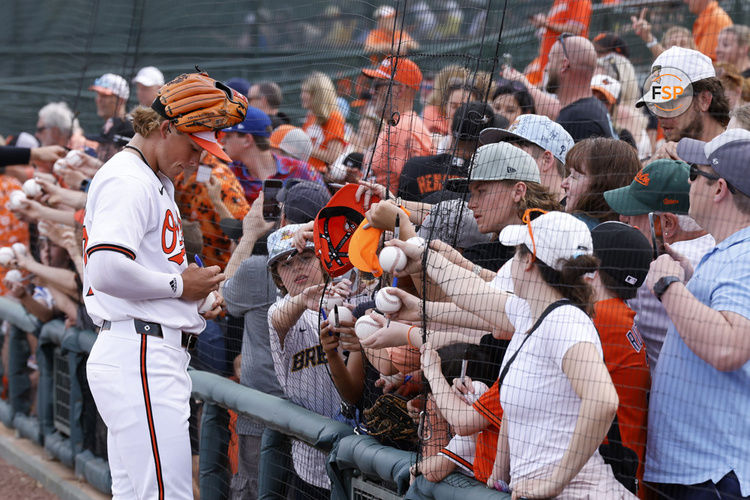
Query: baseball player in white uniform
140	290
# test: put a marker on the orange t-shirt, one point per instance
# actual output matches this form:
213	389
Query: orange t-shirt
435	120
12	229
397	143
625	357
707	26
562	11
321	136
488	405
195	205
378	36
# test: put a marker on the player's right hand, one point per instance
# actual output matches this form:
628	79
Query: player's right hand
198	282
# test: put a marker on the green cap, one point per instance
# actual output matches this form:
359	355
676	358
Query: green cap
498	162
662	186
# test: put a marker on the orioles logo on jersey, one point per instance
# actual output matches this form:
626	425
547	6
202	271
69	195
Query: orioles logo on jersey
171	235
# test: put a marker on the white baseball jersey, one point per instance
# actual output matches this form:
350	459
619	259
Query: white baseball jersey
131	210
302	372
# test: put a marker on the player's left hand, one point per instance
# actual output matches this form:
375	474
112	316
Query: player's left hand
217	308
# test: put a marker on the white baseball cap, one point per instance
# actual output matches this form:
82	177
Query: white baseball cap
293	141
111	84
557	236
537	129
696	65
384	11
149	76
607	86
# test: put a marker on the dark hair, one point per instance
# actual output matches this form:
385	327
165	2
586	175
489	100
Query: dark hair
263	143
272	93
569	280
479	359
519	92
611	164
719	107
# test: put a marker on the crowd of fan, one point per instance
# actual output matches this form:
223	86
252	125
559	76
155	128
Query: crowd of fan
537	200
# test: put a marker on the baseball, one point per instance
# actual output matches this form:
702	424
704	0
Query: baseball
59	166
345	315
417	241
32	188
386	301
208	303
365	326
6	255
19	249
74	159
14	275
16	197
332	300
392	259
479	389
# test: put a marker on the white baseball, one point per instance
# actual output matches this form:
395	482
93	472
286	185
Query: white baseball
345	315
32	188
386	301
6	255
332	300
365	326
14	275
392	259
74	159
417	241
16	197
208	303
19	249
479	389
60	166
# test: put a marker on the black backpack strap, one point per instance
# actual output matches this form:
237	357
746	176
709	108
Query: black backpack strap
538	322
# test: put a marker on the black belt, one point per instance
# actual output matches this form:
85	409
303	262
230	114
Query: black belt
188	340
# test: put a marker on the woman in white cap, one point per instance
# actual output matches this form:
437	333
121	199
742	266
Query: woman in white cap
557	398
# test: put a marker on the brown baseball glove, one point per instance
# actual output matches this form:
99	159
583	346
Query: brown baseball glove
194	102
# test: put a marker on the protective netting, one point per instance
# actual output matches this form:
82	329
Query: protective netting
535	212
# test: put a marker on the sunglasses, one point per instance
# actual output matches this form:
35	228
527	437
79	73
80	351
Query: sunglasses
695	172
526	219
561	38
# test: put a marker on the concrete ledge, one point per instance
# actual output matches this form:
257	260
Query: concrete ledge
55	477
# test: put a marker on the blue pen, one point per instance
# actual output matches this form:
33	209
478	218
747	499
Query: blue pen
407	378
198	261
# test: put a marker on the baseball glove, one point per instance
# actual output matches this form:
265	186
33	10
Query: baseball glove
194	102
389	422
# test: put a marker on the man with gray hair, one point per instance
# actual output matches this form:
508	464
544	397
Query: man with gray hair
54	125
661	188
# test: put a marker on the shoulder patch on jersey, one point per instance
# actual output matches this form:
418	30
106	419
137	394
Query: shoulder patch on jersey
634	337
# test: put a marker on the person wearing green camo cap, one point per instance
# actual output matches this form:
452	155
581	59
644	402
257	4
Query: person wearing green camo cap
661	187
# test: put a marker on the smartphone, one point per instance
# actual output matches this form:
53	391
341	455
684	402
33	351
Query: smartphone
508	60
657	237
271	206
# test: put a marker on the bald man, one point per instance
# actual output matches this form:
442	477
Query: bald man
571	65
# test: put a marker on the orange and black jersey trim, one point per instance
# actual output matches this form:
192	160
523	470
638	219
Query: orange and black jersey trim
112	247
458	459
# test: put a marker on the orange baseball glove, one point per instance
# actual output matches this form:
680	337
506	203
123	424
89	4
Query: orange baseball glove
194	102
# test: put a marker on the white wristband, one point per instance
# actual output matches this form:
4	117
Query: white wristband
652	43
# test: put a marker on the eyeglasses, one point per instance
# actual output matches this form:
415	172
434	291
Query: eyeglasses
526	219
561	38
695	172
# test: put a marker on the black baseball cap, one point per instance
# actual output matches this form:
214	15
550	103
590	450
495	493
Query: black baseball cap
624	253
353	160
470	119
